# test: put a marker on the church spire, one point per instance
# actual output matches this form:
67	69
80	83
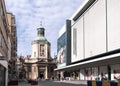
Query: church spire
41	26
40	30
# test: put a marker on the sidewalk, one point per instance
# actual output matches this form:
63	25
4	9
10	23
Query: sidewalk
44	82
74	81
24	84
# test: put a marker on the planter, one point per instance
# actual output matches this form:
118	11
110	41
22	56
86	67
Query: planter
34	82
13	82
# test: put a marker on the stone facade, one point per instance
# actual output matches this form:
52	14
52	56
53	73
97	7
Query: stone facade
6	43
40	65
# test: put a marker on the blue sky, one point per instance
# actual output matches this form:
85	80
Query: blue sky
29	13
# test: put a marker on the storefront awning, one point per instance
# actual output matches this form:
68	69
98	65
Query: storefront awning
106	60
4	63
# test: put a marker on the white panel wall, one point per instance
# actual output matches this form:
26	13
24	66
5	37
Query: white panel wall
95	29
113	24
34	49
79	28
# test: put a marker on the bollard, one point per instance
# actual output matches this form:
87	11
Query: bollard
34	82
118	83
105	83
98	83
112	83
93	83
89	83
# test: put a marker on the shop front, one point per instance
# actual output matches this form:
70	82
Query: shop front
115	71
2	75
3	72
103	68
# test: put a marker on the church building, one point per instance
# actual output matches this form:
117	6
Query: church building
40	65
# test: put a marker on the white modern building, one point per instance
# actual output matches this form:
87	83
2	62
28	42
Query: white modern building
95	42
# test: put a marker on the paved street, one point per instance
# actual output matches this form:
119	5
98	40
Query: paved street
55	83
24	84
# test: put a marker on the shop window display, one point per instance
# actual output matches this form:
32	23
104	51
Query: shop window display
115	72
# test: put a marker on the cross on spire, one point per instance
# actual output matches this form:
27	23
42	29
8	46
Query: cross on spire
41	24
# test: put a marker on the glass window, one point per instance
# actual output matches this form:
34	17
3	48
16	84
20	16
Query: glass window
2	43
61	41
0	9
61	48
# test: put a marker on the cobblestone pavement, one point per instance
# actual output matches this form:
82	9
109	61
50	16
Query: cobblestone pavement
54	83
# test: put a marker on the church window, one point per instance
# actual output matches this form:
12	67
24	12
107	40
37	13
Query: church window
42	50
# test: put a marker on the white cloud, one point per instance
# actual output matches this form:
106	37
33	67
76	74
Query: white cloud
29	13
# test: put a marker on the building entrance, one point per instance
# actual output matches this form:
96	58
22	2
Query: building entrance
42	73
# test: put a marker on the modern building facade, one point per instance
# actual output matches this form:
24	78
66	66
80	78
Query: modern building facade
95	42
64	48
40	64
61	49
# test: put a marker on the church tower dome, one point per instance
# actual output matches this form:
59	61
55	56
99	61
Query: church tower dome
40	34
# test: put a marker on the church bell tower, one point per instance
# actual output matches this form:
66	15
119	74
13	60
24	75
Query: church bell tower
40	62
40	46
